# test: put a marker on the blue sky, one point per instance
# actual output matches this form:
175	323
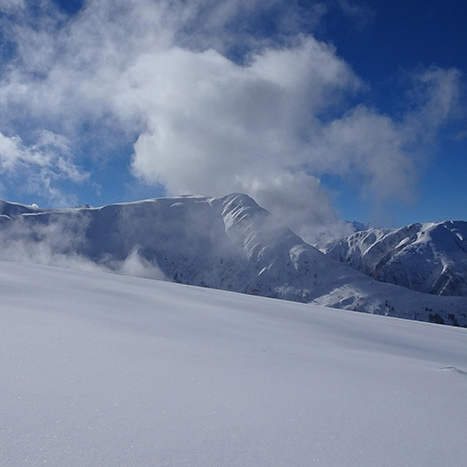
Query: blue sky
321	110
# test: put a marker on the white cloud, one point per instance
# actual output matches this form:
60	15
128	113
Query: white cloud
369	146
360	13
434	96
234	121
269	124
12	6
39	166
299	198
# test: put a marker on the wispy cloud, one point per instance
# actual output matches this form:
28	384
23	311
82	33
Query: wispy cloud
360	12
12	6
36	168
60	240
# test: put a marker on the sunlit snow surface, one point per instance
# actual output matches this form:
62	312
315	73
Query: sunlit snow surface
106	370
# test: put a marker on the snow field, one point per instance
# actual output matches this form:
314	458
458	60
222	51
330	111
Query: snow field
108	370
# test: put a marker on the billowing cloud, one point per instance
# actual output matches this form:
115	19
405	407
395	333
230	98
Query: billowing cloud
237	122
213	106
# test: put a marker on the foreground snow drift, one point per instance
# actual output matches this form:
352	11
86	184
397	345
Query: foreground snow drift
99	369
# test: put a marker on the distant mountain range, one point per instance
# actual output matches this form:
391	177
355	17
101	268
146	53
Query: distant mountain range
429	258
227	243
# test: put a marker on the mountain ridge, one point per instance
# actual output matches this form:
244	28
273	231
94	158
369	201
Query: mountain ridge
430	257
228	243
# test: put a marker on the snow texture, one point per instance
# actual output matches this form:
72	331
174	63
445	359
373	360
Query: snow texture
109	370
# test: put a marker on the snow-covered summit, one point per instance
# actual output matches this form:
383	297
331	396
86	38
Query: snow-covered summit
226	243
430	258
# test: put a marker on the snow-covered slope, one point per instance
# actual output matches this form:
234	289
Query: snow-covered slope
430	258
107	370
226	243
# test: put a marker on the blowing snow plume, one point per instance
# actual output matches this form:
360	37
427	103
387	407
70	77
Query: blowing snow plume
208	103
60	238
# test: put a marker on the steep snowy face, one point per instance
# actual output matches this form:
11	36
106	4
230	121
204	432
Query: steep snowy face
430	258
227	243
280	264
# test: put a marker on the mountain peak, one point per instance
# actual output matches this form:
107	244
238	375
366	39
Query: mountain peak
226	243
429	257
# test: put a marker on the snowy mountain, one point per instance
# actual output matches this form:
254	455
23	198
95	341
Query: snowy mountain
106	370
430	258
225	243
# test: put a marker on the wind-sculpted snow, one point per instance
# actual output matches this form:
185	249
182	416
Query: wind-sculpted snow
106	370
227	243
430	258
